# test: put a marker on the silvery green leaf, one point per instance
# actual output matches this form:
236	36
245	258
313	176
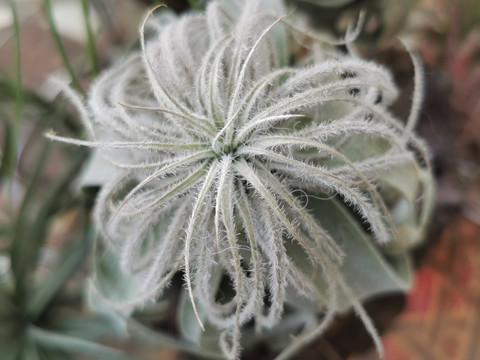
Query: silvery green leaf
110	285
367	271
187	321
412	209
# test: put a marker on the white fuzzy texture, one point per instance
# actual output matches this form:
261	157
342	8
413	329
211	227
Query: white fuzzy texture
221	139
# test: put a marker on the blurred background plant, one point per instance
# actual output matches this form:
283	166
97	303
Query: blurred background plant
46	238
45	232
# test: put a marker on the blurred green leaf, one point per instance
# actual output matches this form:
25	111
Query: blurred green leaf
22	247
9	157
74	345
47	290
111	281
10	348
8	151
60	47
187	321
412	210
110	284
92	52
30	351
151	339
31	229
84	326
7	306
281	333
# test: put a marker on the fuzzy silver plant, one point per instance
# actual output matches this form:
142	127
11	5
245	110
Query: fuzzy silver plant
220	144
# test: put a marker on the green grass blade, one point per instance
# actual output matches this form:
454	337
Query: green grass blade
60	47
92	52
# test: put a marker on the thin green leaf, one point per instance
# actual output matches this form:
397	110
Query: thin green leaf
60	47
8	152
15	131
92	52
21	248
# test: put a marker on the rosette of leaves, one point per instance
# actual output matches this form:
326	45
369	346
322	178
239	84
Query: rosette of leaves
273	187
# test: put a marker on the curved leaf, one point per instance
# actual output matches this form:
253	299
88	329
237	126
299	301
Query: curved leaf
366	270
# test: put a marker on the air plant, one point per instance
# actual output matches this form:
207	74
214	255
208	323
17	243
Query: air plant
224	150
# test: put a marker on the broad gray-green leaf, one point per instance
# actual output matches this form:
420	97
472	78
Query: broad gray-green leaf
187	321
279	32
366	270
110	285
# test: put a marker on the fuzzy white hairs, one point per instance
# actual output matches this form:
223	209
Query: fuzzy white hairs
220	140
